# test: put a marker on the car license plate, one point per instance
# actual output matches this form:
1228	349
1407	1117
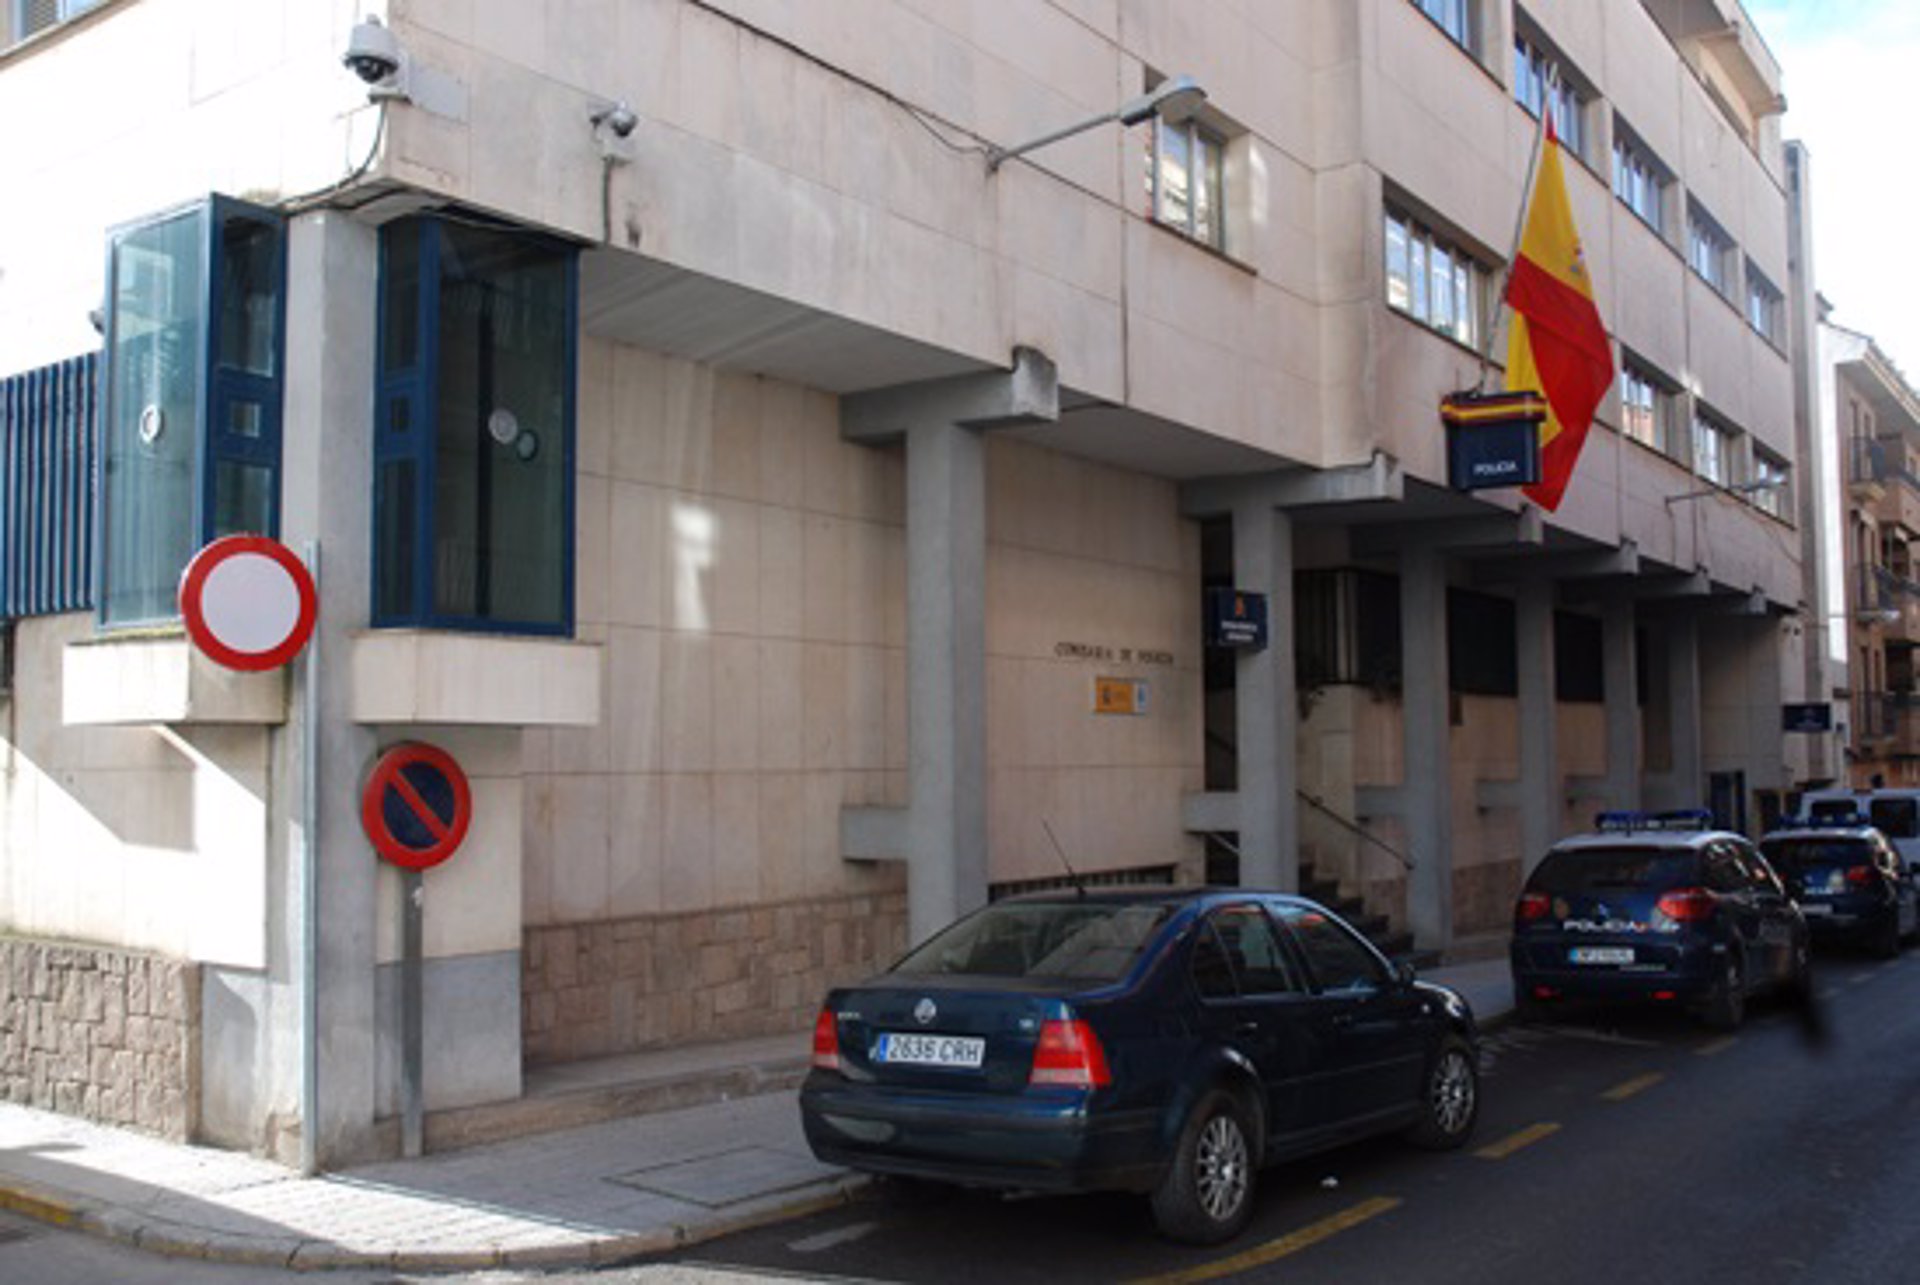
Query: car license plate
966	1052
1815	908
1601	954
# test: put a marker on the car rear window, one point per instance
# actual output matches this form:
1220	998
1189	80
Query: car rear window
1896	818
1598	870
1078	940
1791	856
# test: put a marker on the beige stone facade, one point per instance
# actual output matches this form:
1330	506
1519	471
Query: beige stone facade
694	804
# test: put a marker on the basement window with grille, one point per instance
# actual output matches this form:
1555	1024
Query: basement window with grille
195	314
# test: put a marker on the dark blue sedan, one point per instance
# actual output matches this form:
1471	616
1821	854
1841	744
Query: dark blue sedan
1169	1042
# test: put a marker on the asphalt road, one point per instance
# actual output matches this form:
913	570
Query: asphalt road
1612	1146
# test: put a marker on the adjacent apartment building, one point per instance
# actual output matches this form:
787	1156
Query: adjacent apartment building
796	514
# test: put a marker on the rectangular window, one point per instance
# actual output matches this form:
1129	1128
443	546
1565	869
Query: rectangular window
1347	628
474	440
1483	657
1185	183
33	16
1646	407
1709	249
1764	305
1535	82
1455	17
1437	284
192	396
1712	451
1579	661
1638	179
1772	492
49	433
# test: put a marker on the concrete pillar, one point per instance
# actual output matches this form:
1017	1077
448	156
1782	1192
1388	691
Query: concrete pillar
1266	712
1688	788
326	489
1622	684
942	422
946	675
1427	792
1540	783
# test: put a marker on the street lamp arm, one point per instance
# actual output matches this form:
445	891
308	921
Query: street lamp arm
1173	100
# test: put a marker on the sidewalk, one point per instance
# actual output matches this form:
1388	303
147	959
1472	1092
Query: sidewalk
597	1194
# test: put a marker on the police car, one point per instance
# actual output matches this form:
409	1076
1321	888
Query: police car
1657	908
1849	882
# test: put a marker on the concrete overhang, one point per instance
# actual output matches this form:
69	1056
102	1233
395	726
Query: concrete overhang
401	676
161	677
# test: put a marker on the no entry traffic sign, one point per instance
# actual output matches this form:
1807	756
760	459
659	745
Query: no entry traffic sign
416	805
248	602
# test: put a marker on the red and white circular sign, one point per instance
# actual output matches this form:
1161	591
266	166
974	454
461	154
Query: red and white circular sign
248	602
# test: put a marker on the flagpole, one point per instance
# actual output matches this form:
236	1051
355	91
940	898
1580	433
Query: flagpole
1519	222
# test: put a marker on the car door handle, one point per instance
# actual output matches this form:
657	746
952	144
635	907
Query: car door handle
1247	1028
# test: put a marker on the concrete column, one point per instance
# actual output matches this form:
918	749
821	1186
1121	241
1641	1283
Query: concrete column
1688	787
326	488
1265	710
946	674
1540	783
1427	792
1622	684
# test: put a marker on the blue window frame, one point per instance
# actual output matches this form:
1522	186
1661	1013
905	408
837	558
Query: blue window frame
195	325
474	428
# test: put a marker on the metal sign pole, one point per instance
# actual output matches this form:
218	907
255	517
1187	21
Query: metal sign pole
412	895
310	891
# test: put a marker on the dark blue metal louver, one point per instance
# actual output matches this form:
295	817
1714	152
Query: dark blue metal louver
49	436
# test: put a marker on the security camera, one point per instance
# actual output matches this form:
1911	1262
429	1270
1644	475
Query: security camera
372	52
617	117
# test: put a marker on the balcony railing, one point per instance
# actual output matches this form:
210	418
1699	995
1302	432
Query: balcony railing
1866	460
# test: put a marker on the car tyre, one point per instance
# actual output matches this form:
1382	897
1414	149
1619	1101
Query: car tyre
1727	1007
1206	1195
1450	1098
1886	942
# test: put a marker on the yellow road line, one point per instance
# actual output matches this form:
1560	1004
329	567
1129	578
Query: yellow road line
1638	1084
1292	1243
1720	1045
1514	1141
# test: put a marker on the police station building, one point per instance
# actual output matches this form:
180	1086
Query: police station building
801	520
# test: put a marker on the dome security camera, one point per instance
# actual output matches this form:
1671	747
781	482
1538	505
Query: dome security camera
617	118
372	52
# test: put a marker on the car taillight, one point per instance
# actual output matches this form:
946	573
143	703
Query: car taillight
826	1041
1686	905
1860	876
1531	906
1069	1053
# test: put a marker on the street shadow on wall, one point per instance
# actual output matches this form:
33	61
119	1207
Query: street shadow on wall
88	790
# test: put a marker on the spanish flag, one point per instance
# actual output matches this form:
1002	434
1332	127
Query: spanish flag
1556	345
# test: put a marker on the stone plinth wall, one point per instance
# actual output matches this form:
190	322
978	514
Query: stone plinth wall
622	985
103	1034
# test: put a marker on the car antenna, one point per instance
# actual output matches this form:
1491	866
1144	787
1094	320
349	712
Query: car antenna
1079	885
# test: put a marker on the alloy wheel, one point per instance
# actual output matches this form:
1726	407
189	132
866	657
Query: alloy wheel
1220	1167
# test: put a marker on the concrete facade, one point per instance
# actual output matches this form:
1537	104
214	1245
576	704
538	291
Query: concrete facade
894	480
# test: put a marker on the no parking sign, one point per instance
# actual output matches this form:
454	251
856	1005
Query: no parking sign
416	805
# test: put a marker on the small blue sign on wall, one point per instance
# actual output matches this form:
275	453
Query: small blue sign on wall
1236	619
1814	716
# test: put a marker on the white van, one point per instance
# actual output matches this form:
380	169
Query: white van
1894	812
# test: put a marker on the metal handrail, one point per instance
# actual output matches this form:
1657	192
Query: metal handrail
1321	807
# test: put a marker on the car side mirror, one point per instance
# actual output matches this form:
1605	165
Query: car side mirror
1405	973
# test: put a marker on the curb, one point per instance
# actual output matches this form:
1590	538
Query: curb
176	1240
